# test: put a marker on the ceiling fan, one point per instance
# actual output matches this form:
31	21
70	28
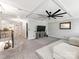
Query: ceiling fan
49	14
55	14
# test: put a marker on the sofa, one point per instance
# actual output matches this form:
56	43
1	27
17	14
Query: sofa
46	52
59	50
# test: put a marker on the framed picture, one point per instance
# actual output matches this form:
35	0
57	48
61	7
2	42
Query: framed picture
65	25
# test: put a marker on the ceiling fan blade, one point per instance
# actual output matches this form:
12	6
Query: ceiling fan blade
56	11
58	16
54	17
48	13
62	13
40	15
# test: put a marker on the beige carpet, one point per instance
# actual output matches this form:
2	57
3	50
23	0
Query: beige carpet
27	50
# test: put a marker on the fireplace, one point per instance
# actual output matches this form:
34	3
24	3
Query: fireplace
41	32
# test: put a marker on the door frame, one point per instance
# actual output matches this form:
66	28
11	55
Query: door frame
26	30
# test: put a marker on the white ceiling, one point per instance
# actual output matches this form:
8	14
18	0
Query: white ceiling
33	7
50	6
29	5
72	6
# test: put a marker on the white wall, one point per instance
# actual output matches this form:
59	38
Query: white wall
32	24
54	31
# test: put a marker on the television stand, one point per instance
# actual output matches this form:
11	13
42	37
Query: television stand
40	34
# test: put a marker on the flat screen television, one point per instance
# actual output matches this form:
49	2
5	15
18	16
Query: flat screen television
41	28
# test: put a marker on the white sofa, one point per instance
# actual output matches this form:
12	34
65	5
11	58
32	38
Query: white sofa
65	51
58	50
46	52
